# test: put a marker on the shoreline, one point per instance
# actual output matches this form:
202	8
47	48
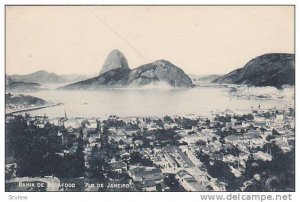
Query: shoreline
32	108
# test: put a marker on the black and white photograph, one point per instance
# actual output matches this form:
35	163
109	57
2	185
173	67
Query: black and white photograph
149	98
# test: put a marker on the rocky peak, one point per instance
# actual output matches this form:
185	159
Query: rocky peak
159	71
114	60
272	69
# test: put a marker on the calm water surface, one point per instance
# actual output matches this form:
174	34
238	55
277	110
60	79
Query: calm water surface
147	102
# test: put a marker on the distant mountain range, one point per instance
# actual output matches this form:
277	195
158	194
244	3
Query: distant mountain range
45	77
274	69
203	79
39	77
116	73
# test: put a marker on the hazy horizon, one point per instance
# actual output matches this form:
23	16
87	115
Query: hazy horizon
201	40
94	74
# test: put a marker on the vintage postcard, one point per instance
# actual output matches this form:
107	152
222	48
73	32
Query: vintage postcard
149	98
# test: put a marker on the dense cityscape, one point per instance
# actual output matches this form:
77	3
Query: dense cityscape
229	151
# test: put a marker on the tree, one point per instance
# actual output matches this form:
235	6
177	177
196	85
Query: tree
281	168
135	158
270	137
221	171
168	119
35	150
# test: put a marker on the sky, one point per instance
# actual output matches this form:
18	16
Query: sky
198	39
